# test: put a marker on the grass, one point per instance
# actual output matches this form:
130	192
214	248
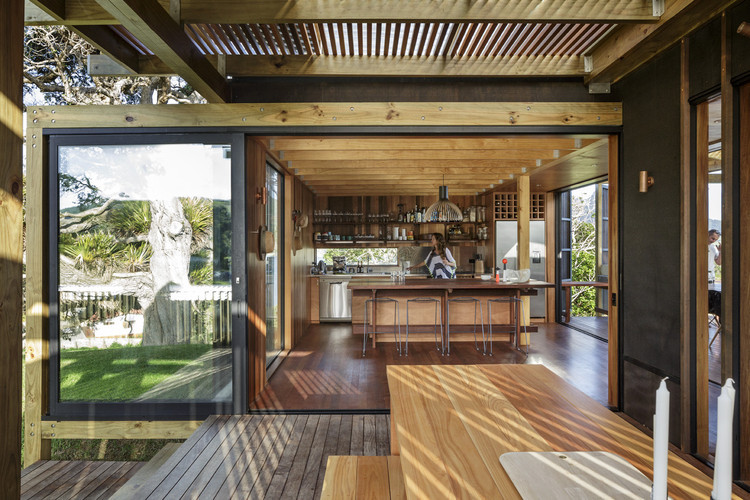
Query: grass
114	374
120	373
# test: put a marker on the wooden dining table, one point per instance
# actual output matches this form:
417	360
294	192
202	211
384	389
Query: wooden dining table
451	424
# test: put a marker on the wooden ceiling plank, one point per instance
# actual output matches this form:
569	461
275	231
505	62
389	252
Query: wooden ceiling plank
264	11
303	65
508	34
80	12
342	39
551	39
259	39
291	46
571	38
387	48
277	38
360	39
500	29
542	143
368	29
426	28
303	28
350	33
436	27
378	37
521	35
415	37
195	34
408	28
249	39
316	39
629	47
459	164
238	40
532	39
587	38
154	27
223	41
417	154
396	39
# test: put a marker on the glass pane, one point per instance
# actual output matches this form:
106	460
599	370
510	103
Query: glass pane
274	337
145	262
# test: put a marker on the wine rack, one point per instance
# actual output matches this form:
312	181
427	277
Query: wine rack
506	206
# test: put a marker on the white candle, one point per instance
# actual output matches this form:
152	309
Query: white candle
723	458
661	442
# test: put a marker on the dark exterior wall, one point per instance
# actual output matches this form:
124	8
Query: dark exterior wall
740	44
650	236
343	89
705	58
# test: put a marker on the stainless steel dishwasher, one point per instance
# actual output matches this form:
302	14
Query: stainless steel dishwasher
335	298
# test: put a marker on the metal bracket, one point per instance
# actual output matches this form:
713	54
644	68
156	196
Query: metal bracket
599	88
658	7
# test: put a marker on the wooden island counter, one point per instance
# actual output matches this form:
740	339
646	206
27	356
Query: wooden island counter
421	315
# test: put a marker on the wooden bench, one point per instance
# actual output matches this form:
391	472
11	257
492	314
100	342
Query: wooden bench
363	477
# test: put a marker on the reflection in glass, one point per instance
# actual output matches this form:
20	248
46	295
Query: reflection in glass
144	266
274	337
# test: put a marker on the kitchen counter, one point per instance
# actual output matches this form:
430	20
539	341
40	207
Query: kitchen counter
421	315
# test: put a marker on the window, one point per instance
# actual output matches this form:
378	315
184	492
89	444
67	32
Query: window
376	256
142	286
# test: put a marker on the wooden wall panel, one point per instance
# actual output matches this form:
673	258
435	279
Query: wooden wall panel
255	217
613	315
11	246
743	328
301	262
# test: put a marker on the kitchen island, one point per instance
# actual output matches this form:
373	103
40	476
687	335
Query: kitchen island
421	315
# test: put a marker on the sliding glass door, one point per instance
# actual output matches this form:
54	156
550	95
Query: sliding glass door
274	265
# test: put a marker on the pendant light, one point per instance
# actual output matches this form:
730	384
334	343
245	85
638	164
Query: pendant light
443	210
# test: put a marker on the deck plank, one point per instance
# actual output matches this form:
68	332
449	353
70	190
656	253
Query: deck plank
96	478
39	463
34	489
281	474
345	436
382	431
274	457
237	459
329	448
310	478
358	433
244	479
369	445
300	460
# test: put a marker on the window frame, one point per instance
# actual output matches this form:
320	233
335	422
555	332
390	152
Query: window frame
151	410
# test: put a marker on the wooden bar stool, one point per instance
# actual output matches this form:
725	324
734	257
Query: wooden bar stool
438	319
396	322
514	301
465	300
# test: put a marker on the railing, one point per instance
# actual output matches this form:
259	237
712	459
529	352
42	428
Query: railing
201	314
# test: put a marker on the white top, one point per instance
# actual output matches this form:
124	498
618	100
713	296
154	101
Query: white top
435	264
713	254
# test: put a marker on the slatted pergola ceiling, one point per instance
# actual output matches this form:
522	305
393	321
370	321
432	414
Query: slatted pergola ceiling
397	39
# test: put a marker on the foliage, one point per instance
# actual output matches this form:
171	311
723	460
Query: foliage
202	275
376	256
199	213
131	218
92	252
88	195
583	256
55	73
122	374
135	257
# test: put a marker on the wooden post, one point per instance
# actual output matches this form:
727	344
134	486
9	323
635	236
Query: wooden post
524	244
614	274
11	246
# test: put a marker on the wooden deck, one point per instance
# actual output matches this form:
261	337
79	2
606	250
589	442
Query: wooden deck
250	456
75	479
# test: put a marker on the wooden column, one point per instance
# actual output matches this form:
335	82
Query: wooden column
701	281
524	245
11	246
743	328
686	239
613	347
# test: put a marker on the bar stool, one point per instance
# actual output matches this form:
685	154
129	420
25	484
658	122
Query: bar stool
513	301
396	322
465	300
438	318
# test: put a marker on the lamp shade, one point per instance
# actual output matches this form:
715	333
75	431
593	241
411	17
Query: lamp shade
443	210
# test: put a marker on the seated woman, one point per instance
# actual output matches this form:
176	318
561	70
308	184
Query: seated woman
439	261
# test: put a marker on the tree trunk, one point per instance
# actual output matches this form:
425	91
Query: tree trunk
170	237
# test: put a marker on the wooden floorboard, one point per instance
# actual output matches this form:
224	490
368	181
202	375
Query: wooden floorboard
70	479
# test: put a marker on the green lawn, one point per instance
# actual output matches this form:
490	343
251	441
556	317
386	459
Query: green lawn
120	373
114	374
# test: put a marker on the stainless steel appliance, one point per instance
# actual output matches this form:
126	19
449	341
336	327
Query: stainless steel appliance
506	247
335	298
339	264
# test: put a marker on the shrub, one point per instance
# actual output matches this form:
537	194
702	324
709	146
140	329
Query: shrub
131	218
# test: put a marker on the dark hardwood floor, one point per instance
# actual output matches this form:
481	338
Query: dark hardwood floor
326	371
593	325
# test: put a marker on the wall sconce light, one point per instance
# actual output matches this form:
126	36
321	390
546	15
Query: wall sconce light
645	181
744	29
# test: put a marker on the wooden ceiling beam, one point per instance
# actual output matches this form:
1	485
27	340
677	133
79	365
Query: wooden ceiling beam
425	66
433	164
417	154
281	11
542	143
153	26
631	46
417	172
114	50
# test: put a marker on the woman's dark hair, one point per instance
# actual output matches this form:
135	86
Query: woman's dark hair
440	239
